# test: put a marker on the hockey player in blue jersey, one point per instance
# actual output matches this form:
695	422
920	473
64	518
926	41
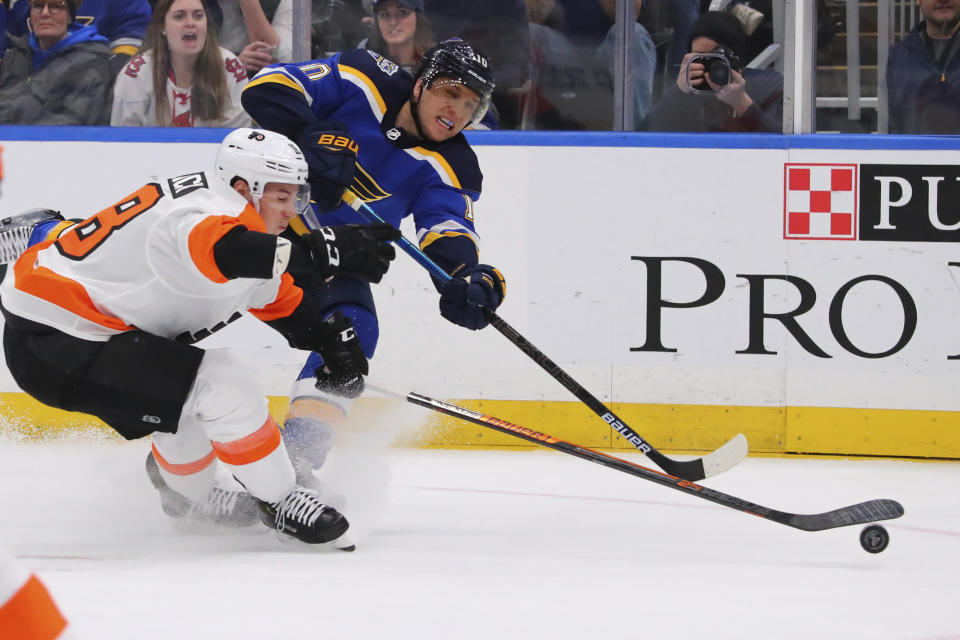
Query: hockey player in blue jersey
365	124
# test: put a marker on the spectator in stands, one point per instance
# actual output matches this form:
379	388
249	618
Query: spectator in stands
574	59
749	17
122	22
59	75
923	73
181	77
260	32
401	32
3	28
680	15
752	99
337	25
499	29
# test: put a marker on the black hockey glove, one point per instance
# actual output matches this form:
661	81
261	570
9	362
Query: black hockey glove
463	298
331	155
351	248
344	363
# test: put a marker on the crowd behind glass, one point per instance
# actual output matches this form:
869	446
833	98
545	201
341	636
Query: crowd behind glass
184	63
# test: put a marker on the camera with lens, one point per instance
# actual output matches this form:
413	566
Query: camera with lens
717	63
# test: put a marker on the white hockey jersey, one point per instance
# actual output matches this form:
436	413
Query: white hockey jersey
146	263
134	104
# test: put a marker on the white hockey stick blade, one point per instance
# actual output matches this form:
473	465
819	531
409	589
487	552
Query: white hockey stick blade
726	457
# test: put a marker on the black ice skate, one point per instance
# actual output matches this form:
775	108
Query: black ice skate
301	515
223	507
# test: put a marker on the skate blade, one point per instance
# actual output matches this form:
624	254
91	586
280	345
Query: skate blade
343	543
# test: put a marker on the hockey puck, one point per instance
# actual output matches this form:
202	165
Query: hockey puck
874	538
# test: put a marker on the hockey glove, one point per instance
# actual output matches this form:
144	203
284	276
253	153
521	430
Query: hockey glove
464	297
351	248
344	363
331	155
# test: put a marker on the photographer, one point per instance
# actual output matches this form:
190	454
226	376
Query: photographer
714	92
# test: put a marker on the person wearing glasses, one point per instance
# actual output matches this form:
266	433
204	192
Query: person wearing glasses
401	32
122	22
57	75
181	77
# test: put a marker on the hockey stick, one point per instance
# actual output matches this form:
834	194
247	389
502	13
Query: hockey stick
862	513
711	464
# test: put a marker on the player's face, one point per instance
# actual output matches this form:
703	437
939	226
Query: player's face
446	108
186	27
49	20
397	23
278	205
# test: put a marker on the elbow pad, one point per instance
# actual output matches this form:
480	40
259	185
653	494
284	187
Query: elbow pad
242	253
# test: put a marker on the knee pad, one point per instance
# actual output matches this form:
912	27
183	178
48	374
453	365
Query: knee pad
225	399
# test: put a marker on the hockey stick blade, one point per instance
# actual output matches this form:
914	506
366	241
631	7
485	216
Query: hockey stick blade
862	513
715	462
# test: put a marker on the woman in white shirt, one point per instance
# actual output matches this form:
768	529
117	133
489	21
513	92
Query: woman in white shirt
180	77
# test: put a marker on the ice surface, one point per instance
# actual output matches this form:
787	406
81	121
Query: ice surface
491	544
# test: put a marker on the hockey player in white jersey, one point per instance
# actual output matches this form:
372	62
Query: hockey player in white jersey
101	316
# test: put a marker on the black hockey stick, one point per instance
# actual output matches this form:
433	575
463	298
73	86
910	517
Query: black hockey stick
862	513
718	461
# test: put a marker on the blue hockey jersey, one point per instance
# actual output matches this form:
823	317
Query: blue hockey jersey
398	174
122	22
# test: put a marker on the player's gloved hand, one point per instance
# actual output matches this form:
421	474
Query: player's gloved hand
363	251
463	297
344	363
331	155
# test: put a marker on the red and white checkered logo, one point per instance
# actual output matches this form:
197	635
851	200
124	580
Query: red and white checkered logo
820	201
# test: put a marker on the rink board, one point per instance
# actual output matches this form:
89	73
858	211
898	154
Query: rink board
800	290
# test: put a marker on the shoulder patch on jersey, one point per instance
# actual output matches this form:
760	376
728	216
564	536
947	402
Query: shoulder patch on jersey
182	185
370	69
383	64
133	67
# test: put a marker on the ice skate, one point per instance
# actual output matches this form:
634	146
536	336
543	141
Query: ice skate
301	515
223	507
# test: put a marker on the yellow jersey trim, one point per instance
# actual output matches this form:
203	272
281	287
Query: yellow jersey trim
277	78
124	50
297	224
366	85
432	236
440	164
